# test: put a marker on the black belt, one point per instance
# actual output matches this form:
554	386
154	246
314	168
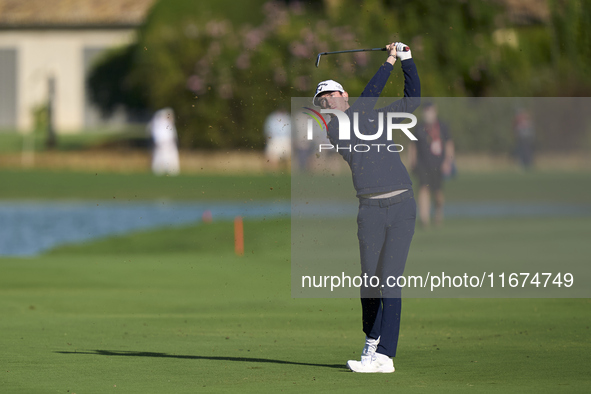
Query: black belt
385	202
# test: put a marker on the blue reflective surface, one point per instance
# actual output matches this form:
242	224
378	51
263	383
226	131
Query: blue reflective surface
30	228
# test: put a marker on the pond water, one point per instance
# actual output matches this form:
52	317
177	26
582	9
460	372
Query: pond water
29	228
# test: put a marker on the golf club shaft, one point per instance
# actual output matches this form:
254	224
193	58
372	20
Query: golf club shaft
353	50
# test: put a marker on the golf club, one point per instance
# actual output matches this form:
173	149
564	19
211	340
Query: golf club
352	50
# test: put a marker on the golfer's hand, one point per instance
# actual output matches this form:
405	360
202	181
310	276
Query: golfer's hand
400	51
391	48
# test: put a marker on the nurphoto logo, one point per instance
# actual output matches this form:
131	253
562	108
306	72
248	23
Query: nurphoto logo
345	129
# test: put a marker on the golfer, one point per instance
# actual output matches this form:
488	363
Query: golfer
387	209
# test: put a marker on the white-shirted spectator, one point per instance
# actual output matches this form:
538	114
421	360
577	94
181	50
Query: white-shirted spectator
165	156
278	137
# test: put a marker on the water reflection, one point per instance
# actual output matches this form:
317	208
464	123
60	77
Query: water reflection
31	228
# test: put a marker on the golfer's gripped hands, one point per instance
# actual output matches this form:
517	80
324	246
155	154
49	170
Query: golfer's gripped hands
391	48
400	53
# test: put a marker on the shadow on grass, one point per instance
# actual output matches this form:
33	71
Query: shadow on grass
213	358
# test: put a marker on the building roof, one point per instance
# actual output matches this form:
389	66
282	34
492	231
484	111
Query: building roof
21	14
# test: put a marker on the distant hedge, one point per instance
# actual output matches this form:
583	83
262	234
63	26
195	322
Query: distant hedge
224	65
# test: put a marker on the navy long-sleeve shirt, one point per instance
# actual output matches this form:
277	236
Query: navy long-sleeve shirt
383	171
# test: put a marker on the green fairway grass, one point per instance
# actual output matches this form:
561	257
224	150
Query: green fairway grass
565	187
41	185
174	310
35	185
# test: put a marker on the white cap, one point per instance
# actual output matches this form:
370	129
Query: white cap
327	86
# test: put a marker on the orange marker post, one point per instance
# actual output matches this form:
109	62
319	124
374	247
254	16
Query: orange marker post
238	236
207	217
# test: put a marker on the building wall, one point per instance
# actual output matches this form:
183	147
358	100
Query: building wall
58	53
8	91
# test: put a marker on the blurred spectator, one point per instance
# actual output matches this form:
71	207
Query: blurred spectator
431	158
278	137
303	146
525	136
306	148
165	156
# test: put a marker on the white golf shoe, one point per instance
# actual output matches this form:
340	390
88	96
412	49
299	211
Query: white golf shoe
378	363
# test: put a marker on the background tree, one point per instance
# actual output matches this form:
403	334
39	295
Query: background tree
225	65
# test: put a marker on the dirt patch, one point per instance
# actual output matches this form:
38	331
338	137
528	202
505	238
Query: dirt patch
129	161
542	162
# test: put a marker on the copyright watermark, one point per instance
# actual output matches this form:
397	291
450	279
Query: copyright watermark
442	281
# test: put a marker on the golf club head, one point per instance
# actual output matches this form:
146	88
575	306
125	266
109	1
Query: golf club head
318	60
